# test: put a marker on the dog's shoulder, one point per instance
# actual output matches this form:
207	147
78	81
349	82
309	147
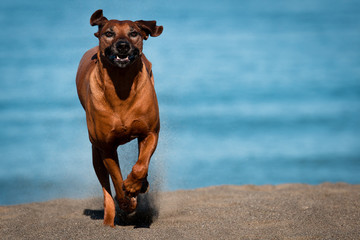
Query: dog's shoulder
147	63
148	66
93	53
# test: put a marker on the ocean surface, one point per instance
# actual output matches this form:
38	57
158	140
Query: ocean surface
250	92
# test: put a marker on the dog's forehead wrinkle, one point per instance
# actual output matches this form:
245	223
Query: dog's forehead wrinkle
122	28
123	23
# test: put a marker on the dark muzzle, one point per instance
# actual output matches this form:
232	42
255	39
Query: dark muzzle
123	47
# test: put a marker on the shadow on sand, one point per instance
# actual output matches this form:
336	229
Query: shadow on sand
146	213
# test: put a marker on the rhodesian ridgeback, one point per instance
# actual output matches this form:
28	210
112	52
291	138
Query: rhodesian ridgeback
115	85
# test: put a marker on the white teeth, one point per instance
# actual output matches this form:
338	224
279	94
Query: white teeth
122	59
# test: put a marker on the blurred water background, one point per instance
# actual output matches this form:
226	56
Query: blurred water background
250	92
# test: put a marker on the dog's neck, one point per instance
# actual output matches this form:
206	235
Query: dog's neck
122	80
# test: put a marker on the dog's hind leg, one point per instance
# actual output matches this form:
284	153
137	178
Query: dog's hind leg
103	176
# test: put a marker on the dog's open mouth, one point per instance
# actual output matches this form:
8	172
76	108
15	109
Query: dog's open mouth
121	59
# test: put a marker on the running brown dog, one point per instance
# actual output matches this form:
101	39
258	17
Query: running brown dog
116	88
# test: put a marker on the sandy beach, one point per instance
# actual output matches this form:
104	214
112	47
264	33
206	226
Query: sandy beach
288	211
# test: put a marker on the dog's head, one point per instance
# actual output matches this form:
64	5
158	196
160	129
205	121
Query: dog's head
121	42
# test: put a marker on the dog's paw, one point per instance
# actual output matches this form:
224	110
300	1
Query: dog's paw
132	187
128	205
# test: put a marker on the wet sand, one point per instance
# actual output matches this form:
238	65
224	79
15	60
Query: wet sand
288	211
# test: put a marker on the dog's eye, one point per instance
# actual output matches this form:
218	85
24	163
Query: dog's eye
134	34
109	34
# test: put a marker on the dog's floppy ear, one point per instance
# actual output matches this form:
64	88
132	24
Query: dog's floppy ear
98	19
149	28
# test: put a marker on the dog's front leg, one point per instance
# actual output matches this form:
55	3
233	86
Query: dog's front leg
136	181
105	163
103	176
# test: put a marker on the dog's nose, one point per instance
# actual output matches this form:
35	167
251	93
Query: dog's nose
123	46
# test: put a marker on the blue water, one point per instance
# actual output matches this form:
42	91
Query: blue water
250	92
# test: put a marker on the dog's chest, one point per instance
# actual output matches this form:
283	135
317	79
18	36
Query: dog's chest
124	129
117	128
119	125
